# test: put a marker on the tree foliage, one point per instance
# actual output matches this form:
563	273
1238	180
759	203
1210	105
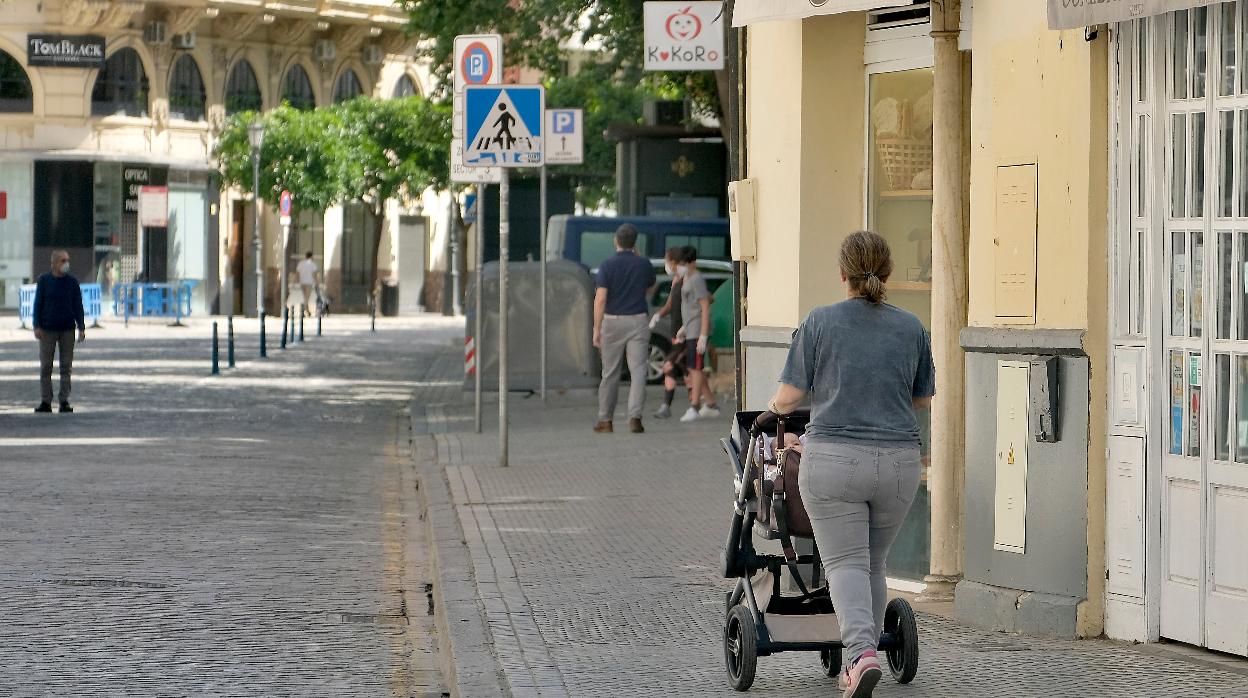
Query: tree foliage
366	149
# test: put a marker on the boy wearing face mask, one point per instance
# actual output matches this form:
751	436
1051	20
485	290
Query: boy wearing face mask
674	364
57	310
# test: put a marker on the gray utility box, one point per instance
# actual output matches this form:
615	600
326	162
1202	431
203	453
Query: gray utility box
571	360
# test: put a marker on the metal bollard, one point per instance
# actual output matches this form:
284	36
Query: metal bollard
292	326
285	315
301	326
318	325
216	352
372	313
264	350
229	342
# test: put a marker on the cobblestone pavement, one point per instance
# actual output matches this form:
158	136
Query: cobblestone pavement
594	560
252	534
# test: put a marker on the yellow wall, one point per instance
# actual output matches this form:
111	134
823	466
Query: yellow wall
1041	96
805	145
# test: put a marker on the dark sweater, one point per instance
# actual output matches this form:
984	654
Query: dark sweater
58	304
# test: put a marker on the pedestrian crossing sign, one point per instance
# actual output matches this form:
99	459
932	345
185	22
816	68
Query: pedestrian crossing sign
503	125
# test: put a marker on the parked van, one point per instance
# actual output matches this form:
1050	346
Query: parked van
591	239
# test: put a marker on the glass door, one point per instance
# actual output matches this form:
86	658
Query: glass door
1204	479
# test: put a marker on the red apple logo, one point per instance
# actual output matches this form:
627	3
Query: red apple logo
684	25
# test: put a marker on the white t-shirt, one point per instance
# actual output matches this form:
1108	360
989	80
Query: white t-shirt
307	272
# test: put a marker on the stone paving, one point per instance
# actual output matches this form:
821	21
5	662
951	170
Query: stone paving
252	534
593	561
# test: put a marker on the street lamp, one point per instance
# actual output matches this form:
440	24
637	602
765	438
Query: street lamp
255	132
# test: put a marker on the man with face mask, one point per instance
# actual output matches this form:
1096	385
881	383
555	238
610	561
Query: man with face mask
57	310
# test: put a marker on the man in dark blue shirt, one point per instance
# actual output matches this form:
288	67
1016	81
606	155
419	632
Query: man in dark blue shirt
57	310
621	327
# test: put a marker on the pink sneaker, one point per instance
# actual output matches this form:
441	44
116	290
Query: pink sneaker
859	680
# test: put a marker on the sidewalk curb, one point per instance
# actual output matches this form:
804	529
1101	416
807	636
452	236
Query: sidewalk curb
464	642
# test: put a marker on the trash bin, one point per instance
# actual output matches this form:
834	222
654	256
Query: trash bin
390	298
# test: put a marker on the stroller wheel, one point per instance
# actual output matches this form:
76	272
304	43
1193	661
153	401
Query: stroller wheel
831	661
740	648
903	656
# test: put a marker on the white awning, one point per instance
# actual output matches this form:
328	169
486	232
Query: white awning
752	11
1072	14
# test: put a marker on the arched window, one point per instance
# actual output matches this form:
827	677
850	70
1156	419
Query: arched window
121	87
297	88
242	91
404	88
15	92
186	90
347	87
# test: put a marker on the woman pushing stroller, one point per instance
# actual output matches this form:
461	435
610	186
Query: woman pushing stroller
867	367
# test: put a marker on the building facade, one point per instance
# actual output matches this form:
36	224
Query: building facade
101	97
1063	187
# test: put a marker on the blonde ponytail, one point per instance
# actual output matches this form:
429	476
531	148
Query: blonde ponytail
867	263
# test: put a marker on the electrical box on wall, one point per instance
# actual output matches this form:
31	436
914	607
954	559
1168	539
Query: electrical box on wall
1010	510
1014	278
1043	398
741	220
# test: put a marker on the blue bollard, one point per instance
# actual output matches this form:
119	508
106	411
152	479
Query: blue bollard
216	353
230	342
301	326
285	313
264	350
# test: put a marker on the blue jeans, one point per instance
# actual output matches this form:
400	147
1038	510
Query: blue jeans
857	496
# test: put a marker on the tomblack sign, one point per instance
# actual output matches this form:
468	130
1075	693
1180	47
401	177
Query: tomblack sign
60	51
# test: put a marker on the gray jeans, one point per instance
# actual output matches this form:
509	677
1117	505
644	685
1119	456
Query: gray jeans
621	335
857	497
47	350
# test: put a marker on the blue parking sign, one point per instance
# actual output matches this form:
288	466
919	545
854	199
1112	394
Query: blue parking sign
503	125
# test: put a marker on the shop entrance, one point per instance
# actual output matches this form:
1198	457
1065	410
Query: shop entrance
1186	140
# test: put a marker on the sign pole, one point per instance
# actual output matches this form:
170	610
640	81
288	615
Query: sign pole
479	280
542	224
504	234
285	260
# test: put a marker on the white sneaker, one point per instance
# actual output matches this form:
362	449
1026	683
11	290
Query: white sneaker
690	415
664	412
708	411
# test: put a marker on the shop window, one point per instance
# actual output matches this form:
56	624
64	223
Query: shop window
297	88
121	89
186	90
405	88
16	94
242	91
899	207
347	87
1229	50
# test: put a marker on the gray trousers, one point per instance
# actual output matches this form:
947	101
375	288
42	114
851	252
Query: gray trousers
623	335
47	350
857	497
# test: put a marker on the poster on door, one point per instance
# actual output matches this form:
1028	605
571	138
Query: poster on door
1177	392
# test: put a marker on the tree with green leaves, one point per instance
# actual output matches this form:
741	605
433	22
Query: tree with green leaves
365	150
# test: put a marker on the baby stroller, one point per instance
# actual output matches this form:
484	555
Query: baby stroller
761	620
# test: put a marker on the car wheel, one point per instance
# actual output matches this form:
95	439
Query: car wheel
659	349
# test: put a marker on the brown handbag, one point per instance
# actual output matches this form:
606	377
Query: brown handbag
782	495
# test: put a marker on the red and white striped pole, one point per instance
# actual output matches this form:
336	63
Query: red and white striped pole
470	356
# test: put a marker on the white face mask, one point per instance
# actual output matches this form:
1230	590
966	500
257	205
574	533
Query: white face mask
65	268
682	269
667	267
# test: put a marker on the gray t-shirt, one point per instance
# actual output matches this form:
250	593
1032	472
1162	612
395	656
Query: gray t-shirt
692	290
862	364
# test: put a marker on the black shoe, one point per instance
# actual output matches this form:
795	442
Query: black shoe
44	407
64	407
